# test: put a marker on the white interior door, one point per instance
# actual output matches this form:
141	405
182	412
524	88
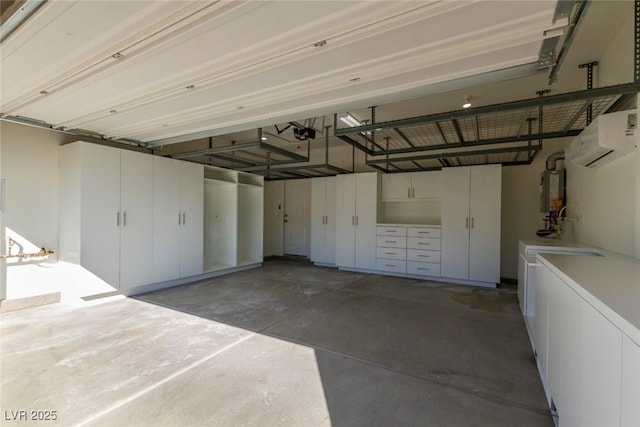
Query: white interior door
3	264
192	212
296	217
273	218
166	219
100	210
136	231
484	210
454	255
345	220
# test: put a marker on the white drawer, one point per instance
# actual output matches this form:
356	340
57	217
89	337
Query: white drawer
391	265
391	231
392	253
422	255
423	243
423	232
391	242
423	268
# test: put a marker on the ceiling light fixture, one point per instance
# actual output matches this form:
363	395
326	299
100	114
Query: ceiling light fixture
349	120
264	138
466	104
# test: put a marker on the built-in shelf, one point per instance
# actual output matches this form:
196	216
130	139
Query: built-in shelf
220	174
410	212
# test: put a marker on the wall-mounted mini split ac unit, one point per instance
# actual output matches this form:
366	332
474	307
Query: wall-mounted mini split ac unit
608	137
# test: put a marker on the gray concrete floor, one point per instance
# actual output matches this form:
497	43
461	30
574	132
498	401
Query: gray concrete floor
287	344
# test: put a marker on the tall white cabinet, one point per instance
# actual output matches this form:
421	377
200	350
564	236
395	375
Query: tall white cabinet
106	211
323	220
178	189
471	208
356	217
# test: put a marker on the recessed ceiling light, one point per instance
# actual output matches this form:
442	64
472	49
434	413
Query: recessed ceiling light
466	104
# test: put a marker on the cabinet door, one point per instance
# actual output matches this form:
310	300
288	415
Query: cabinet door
318	188
568	401
425	185
192	228
630	393
366	219
100	211
544	279
484	209
396	186
345	220
455	223
166	219
601	369
330	223
136	231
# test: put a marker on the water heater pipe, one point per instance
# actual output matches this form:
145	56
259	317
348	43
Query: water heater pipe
553	159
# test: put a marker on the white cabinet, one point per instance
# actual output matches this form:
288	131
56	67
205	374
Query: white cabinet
178	191
356	216
411	185
601	348
323	220
233	219
589	367
630	391
413	250
471	223
106	211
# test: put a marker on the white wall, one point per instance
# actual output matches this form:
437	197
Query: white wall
30	167
521	216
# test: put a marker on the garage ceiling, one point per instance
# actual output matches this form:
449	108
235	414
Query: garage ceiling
152	70
211	82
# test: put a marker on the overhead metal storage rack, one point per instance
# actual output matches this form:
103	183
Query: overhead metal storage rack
509	133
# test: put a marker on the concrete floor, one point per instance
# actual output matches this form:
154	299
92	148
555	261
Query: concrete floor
287	344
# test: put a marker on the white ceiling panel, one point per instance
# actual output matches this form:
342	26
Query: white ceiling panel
149	70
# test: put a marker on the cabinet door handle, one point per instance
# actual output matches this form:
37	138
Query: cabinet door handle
413	192
389	253
118	219
124	219
184	218
353	220
389	265
179	221
392	231
409	193
356	219
423	256
467	222
472	218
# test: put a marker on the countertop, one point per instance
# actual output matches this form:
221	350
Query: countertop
610	283
540	245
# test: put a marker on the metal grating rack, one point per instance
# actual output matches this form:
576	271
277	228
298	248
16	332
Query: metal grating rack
508	134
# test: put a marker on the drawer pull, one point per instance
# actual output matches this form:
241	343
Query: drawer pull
390	253
423	256
422	243
424	269
389	265
390	241
392	231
